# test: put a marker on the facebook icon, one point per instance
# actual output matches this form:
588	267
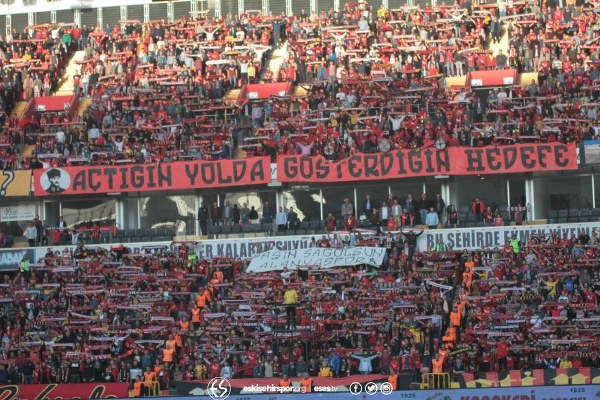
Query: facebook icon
355	388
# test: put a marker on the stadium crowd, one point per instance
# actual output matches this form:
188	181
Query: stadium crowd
31	64
370	80
164	314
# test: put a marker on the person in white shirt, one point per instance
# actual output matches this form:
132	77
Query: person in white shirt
384	213
396	209
226	371
285	274
94	133
281	220
60	141
363	24
119	145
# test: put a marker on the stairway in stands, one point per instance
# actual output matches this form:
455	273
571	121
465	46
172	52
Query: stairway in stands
504	45
66	88
278	56
18	112
19	109
83	104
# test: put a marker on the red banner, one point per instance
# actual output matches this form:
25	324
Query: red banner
64	391
429	162
179	175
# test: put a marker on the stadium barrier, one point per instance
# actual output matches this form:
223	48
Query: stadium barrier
456	239
436	381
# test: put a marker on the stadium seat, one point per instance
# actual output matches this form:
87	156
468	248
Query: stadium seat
9	242
552	216
150	232
573	215
563	216
104	237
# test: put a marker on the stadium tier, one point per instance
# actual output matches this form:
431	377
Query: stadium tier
214	198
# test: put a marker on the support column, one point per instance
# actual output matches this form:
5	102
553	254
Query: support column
53	16
508	195
77	17
41	211
193	8
120	212
241	7
336	5
321	203
452	194
99	17
356	214
218	9
147	12
288	7
313	7
593	191
198	203
8	24
30	18
530	200
139	213
265	7
385	4
445	193
123	15
278	200
170	11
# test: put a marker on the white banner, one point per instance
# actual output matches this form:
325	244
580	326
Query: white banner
21	212
276	260
490	237
235	248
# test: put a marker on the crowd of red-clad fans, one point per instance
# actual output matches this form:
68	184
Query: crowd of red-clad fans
163	314
31	64
366	79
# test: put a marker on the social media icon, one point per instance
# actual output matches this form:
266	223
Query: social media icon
371	388
386	388
355	388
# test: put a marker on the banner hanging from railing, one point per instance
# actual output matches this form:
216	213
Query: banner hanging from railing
65	391
246	248
429	162
179	175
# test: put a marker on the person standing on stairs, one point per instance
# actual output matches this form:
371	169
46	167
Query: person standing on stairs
290	300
